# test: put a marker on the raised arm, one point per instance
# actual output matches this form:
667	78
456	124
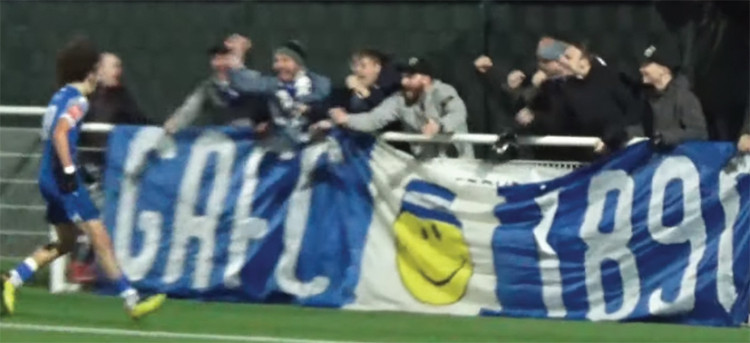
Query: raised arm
246	80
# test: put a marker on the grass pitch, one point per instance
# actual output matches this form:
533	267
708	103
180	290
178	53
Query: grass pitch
43	317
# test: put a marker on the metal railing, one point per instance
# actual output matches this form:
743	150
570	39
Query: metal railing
473	138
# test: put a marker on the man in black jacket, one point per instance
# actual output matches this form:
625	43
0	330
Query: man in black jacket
372	80
596	101
520	93
111	102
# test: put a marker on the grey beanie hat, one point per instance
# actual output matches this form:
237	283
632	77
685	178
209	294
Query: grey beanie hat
294	50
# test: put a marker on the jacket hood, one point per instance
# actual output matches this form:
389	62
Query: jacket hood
680	82
389	78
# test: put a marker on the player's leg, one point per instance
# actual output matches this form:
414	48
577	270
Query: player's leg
66	238
102	246
82	257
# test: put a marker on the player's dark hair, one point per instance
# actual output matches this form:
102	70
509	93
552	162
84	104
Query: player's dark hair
76	60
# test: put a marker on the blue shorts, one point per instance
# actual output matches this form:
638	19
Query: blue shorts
69	208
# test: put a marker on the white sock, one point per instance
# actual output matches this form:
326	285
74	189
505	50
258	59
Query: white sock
131	297
15	279
31	264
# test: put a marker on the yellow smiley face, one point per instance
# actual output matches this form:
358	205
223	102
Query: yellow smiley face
433	259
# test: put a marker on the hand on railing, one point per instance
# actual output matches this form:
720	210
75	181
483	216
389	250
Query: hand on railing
743	145
338	115
170	127
506	146
431	128
600	148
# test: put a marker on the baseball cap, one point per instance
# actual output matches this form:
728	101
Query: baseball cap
415	65
550	49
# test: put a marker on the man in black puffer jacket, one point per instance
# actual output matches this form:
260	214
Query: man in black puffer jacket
596	101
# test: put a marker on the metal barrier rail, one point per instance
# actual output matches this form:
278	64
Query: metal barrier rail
473	138
23	110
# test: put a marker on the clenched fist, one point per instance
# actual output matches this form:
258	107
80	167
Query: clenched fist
338	115
353	83
600	148
483	63
238	44
524	116
515	79
431	128
538	78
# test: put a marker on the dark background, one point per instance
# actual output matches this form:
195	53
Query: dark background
163	43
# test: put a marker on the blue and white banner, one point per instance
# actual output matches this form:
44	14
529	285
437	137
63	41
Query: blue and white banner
355	224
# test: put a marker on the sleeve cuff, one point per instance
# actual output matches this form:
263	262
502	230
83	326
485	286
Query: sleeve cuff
70	119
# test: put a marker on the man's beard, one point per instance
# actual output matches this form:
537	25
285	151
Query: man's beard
412	95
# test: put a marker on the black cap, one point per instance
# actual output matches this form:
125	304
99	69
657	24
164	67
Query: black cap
415	65
664	53
218	49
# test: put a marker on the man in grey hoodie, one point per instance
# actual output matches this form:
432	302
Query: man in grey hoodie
424	105
677	112
213	102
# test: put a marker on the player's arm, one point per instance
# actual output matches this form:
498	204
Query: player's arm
188	111
62	146
68	182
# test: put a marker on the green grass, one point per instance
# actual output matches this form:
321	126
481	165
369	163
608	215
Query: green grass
36	306
26	337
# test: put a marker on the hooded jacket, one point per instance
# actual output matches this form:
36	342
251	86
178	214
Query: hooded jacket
388	82
212	102
677	113
599	105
